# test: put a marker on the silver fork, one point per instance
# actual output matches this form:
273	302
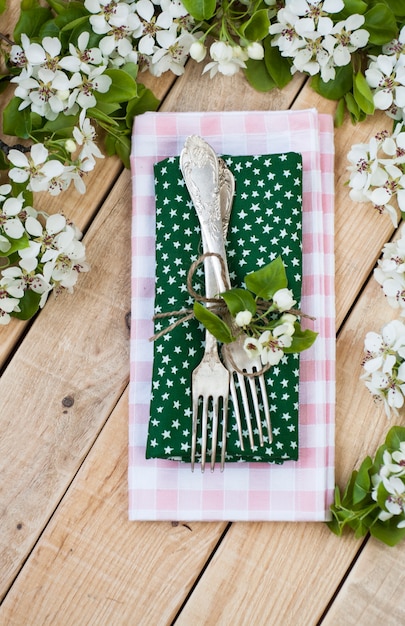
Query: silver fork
236	360
210	379
245	369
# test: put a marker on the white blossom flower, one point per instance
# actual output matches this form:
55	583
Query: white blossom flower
227	59
384	365
81	57
84	136
395	503
85	85
173	58
36	167
376	172
154	29
386	77
28	55
345	38
252	347
272	344
10	222
7	305
390	273
305	32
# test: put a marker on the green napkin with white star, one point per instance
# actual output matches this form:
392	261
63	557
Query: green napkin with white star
265	223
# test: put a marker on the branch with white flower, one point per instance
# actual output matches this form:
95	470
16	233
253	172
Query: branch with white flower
39	253
377	172
373	500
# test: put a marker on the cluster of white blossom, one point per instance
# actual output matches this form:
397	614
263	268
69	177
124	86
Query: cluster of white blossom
384	365
49	85
44	171
390	273
386	77
50	254
390	481
305	32
376	172
226	58
156	35
269	345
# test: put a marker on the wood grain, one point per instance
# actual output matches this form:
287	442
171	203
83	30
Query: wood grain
374	590
94	567
68	555
76	353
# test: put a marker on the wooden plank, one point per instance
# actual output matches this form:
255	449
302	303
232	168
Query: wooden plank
374	590
371	229
94	567
196	92
81	209
284	573
63	383
266	555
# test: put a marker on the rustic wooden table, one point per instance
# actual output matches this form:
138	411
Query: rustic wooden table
68	554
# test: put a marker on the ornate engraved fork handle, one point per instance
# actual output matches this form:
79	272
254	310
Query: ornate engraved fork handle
200	169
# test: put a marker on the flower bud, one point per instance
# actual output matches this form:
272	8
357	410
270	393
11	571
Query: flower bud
198	51
283	299
255	51
70	145
243	318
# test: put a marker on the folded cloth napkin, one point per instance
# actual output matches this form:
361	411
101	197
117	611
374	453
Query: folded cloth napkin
299	490
266	222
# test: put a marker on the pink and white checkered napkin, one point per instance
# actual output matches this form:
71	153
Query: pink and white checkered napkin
294	491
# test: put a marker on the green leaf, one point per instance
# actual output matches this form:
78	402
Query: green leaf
258	76
257	27
362	483
398	7
268	279
122	89
29	305
58	5
277	66
351	7
16	123
381	24
340	113
239	300
16	244
123	150
352	107
200	9
144	101
2	6
337	88
61	127
30	22
395	436
301	339
362	94
119	144
68	19
387	531
213	323
104	112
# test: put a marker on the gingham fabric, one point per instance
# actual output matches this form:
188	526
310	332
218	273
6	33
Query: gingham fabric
297	490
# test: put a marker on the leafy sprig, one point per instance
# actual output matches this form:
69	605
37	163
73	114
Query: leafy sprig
374	499
263	313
